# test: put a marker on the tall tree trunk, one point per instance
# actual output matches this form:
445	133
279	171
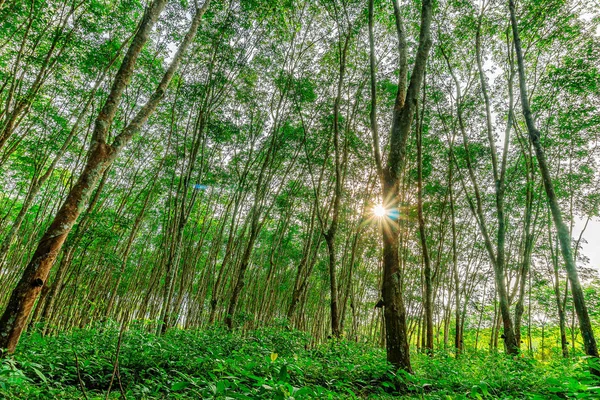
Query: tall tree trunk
305	264
528	241
100	156
458	337
557	294
428	301
245	261
258	215
562	231
330	233
497	255
402	117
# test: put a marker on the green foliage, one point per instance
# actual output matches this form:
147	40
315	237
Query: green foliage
270	363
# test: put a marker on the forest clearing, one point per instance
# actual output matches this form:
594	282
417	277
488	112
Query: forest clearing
299	199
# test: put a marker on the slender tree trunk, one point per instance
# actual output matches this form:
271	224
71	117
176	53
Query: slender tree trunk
564	238
497	256
132	235
239	283
333	288
258	214
458	337
330	234
217	287
528	242
302	276
557	294
428	303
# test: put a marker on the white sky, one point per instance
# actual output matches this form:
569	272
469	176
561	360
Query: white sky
591	249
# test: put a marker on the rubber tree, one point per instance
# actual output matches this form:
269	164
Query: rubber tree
496	251
562	231
407	97
100	156
427	273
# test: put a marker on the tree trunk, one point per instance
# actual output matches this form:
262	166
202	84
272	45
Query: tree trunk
100	156
564	238
497	256
458	339
402	118
527	251
428	301
36	272
557	294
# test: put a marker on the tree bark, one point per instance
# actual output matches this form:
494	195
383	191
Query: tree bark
100	156
557	295
402	117
428	301
564	238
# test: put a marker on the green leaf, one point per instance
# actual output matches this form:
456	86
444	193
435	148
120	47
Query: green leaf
283	375
40	374
177	386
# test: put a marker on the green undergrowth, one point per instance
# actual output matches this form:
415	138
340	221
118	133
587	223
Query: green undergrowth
270	363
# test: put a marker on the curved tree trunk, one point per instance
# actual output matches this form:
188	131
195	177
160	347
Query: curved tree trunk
562	231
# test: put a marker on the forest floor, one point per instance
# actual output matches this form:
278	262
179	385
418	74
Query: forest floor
268	364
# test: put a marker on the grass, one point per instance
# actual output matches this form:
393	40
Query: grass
270	363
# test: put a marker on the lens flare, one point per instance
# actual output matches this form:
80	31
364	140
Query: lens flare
379	211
